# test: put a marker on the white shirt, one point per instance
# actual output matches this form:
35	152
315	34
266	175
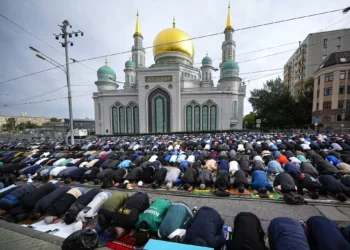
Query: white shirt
305	146
234	166
41	160
153	158
294	160
58	161
191	158
258	158
240	147
83	164
57	170
207	147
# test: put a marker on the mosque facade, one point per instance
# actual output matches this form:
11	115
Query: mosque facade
171	95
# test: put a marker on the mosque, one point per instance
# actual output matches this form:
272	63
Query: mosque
171	95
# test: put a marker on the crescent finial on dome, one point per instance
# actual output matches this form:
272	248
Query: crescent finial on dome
137	29
106	62
174	22
228	22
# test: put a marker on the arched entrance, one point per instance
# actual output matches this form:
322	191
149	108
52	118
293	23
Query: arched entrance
159	111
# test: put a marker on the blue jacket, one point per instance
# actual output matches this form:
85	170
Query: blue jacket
332	159
324	234
223	165
206	229
124	164
13	198
259	178
274	167
31	170
167	158
43	204
291	168
286	234
276	154
184	165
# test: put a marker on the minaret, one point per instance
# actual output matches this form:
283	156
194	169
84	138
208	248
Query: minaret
207	70
138	52
130	74
228	46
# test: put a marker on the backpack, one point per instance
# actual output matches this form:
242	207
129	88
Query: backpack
84	239
293	199
107	181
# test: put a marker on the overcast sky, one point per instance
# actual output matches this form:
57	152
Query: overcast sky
109	25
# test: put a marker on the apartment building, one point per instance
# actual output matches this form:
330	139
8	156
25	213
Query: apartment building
331	101
39	121
310	54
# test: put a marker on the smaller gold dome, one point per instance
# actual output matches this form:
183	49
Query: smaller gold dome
168	40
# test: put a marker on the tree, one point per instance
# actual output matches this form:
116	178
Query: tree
249	120
304	104
53	119
273	104
11	124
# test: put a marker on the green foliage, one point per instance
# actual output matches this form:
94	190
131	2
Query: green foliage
53	119
249	120
275	106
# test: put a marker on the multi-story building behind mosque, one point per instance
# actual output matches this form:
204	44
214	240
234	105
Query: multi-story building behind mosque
171	95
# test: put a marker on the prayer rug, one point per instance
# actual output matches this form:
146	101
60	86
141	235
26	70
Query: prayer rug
272	195
207	191
234	191
125	243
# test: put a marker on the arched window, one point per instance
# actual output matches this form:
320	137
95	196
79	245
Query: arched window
99	111
136	120
129	120
159	114
189	118
209	76
132	78
234	110
115	120
213	117
205	117
122	120
206	75
197	118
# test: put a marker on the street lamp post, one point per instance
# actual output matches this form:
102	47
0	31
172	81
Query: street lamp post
65	34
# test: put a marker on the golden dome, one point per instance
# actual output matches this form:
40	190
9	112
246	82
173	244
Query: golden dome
168	40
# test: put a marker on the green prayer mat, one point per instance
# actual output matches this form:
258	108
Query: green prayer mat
207	191
272	196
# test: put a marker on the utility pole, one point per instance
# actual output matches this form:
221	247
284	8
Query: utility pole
64	35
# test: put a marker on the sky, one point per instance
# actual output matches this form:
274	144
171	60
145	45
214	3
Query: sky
108	27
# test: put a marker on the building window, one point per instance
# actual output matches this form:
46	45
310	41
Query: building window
348	90
209	76
324	48
318	93
115	120
338	47
327	105
213	117
99	111
328	77
197	118
159	108
205	118
325	41
328	91
342	75
338	39
189	118
317	106
324	57
122	120
341	90
326	118
136	120
129	120
206	75
234	110
340	104
349	74
347	118
318	80
132	78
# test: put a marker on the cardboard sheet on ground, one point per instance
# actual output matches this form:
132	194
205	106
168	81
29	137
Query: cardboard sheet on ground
64	229
159	244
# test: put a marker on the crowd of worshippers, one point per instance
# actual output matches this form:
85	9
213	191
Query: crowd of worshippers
118	215
318	165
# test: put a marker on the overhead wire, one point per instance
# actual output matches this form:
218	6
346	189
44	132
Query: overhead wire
194	38
30	33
